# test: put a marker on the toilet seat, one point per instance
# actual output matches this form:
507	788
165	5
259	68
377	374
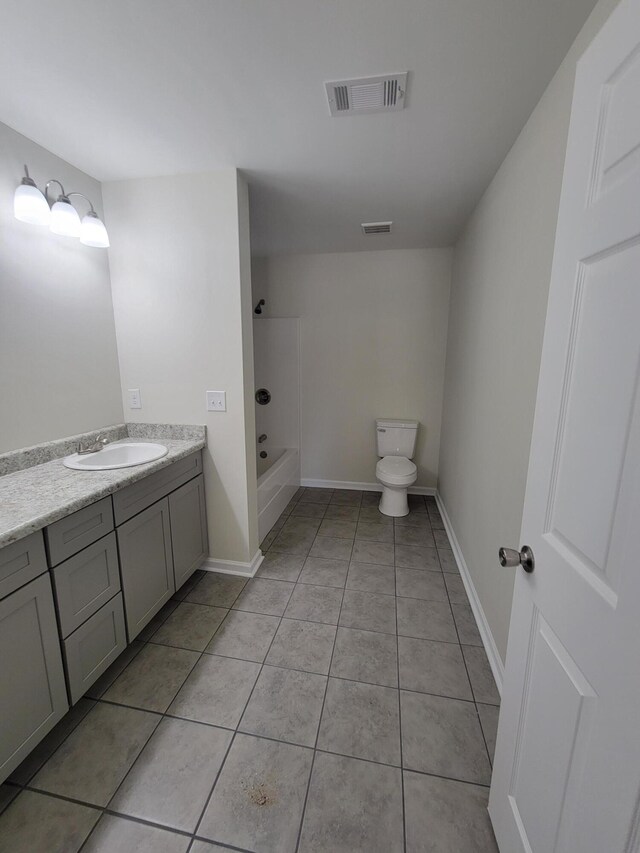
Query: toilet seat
396	470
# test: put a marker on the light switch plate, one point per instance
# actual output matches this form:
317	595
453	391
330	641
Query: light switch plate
135	400
216	401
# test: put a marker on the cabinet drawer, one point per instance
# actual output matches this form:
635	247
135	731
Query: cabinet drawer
21	562
33	696
91	649
73	533
140	495
85	582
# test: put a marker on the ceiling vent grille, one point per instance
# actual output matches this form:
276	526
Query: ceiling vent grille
377	227
367	94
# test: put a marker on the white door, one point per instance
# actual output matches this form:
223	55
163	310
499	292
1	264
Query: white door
567	766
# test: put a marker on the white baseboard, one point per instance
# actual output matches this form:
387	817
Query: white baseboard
234	567
495	661
361	487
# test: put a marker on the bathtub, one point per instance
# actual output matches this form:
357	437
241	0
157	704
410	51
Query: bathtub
278	481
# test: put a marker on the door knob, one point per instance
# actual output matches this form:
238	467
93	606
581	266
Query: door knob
511	557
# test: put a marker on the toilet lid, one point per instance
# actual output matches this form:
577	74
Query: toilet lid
396	466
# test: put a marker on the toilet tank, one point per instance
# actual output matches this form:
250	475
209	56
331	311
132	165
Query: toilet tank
396	438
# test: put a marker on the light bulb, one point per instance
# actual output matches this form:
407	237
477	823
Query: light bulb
93	232
29	205
64	218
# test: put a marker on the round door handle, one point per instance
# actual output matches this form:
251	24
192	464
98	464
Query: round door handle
263	396
510	557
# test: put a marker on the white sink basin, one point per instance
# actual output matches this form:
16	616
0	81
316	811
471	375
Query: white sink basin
116	455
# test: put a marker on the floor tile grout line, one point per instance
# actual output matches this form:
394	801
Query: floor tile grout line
35	773
134	819
235	731
466	668
232	849
215	782
174	716
315	746
373	630
34	790
107	810
163	715
404	817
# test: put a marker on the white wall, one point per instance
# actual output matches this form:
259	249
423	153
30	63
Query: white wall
373	329
58	359
182	297
500	284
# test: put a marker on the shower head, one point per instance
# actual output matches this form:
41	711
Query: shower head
258	308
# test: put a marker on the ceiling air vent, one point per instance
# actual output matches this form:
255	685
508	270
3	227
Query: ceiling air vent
377	227
367	95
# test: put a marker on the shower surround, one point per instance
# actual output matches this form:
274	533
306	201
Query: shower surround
276	345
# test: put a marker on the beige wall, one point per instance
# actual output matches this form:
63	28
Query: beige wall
500	284
58	358
182	298
373	331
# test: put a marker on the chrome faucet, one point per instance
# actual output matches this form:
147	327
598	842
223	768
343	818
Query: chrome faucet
262	438
97	445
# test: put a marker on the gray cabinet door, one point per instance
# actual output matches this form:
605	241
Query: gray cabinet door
92	649
188	529
33	696
146	565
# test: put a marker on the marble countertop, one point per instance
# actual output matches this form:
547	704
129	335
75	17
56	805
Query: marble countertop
36	496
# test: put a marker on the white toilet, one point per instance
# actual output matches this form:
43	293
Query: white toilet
396	442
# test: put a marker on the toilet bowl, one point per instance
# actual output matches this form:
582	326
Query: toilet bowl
396	474
396	441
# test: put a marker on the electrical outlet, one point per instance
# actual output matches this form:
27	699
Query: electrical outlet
216	401
135	400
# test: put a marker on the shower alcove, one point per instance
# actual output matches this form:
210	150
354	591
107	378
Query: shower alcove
276	345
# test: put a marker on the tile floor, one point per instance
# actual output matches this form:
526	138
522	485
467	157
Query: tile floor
339	701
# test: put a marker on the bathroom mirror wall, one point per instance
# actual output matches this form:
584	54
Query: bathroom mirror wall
58	355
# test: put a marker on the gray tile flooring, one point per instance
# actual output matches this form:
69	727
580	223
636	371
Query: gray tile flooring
341	701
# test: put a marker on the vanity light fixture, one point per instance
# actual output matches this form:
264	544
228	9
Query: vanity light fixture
64	217
31	206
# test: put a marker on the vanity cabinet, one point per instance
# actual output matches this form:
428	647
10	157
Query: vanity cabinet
72	595
146	564
33	695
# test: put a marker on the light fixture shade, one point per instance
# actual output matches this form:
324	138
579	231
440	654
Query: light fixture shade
93	233
29	205
65	219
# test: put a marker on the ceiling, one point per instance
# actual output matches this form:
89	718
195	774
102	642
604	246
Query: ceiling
130	88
